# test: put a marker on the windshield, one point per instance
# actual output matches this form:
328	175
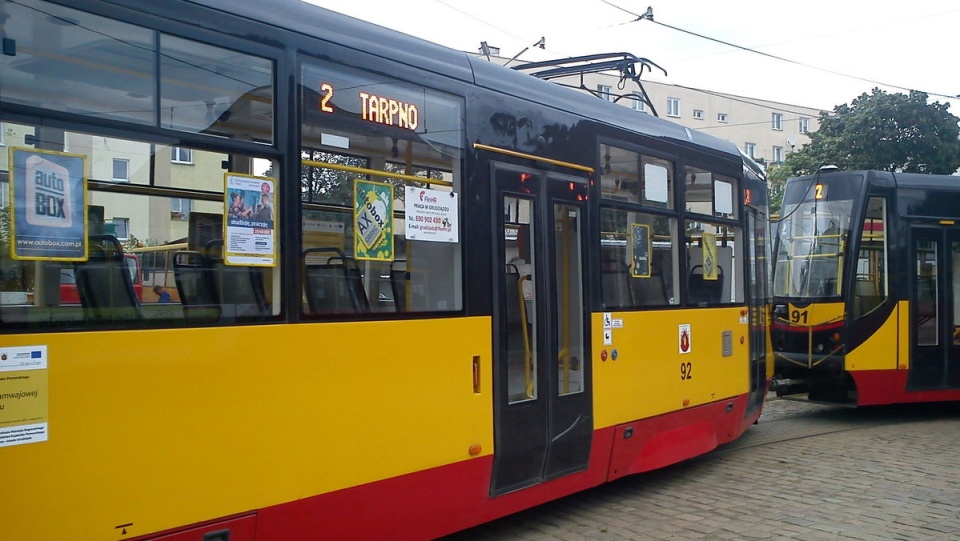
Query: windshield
811	239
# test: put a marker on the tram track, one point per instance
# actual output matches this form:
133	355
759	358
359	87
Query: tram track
789	420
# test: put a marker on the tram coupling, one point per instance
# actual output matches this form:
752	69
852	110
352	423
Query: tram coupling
787	386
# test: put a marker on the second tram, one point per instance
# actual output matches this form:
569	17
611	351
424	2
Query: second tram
866	288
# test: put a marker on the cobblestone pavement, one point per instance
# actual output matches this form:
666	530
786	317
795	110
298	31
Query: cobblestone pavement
806	471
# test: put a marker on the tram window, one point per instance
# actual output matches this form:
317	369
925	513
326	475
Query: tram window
870	287
710	194
714	262
207	89
631	177
72	61
40	289
638	270
365	140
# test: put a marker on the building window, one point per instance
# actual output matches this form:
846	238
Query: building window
121	170
179	209
181	155
697	114
605	92
750	149
722	117
673	106
804	125
777	121
777	154
121	228
637	102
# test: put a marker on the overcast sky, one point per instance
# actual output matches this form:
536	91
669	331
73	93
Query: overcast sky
908	45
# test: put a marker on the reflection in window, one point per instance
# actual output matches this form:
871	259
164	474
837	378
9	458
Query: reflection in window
81	63
121	170
630	177
710	194
208	89
181	155
95	66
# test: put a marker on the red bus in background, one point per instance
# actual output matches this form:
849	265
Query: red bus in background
68	283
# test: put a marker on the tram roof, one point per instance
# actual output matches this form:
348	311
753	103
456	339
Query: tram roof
900	180
312	20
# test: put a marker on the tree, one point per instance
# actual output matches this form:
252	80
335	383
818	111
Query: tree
890	132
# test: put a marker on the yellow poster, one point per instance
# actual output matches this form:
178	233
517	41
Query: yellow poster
709	244
23	395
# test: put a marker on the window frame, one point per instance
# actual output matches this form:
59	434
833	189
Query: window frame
126	170
776	121
181	155
674	107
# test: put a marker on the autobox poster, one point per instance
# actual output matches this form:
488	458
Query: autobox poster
251	220
48	191
373	220
431	215
23	395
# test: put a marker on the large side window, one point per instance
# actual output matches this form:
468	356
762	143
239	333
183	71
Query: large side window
152	253
639	259
713	241
113	227
870	285
379	188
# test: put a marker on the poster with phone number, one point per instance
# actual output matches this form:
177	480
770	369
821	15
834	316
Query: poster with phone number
48	190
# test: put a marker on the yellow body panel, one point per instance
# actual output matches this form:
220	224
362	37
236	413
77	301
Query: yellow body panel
647	378
148	427
880	351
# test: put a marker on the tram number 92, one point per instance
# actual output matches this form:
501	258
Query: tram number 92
686	371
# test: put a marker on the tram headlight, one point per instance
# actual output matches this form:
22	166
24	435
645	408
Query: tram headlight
819	348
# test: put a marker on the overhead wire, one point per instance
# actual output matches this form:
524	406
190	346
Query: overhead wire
648	16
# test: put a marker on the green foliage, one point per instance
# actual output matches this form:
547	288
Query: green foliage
777	175
889	132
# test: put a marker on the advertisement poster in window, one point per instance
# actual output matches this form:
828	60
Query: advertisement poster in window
431	215
251	220
48	192
709	242
372	220
640	246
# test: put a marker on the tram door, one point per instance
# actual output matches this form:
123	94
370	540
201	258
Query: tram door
935	308
757	304
543	414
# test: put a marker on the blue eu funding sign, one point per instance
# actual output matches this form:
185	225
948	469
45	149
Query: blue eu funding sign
48	190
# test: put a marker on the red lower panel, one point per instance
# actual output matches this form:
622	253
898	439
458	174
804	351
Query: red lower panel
436	502
421	505
878	387
667	439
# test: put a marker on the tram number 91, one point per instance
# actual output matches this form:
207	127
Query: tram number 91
798	316
686	371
